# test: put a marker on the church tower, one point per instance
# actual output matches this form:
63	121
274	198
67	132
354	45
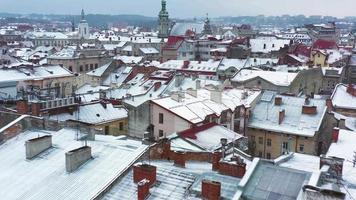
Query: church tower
163	21
207	27
83	27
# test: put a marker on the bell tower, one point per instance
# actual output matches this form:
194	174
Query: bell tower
163	21
83	27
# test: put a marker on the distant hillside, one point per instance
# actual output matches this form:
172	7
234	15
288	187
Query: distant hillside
95	20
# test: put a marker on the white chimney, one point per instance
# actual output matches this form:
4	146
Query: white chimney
216	96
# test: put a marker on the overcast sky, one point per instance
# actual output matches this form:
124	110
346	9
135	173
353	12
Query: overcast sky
184	8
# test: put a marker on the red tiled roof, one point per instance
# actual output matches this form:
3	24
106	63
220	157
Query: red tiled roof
173	42
191	133
324	44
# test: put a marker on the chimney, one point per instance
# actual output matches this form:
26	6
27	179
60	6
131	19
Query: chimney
194	93
36	108
215	159
282	114
22	107
351	90
309	110
179	158
77	157
278	101
38	145
336	165
166	148
329	104
143	189
177	96
335	134
197	84
144	171
216	96
156	86
210	190
186	64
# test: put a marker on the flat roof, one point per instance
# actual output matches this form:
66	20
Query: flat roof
45	176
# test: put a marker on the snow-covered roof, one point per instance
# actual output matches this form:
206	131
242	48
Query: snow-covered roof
89	93
45	177
129	59
267	44
45	35
149	50
236	63
342	99
93	113
196	109
345	148
266	115
274	77
127	48
32	73
207	66
209	139
100	71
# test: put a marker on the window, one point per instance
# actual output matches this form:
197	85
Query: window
160	118
91	66
285	145
81	68
260	140
253	138
269	142
268	156
301	147
86	67
160	133
96	65
260	154
70	68
121	126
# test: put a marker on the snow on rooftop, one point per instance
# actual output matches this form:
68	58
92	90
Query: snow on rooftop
274	77
129	59
90	93
207	66
45	177
100	71
24	73
345	148
342	99
94	113
149	50
266	116
267	44
195	109
209	139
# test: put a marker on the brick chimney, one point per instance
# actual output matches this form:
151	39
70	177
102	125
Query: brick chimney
335	134
237	169
179	158
166	149
144	171
336	165
143	189
329	105
351	89
281	115
186	64
36	108
278	101
22	107
157	85
210	190
215	159
309	110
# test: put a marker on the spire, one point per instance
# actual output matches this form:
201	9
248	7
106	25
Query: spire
164	3
207	27
82	15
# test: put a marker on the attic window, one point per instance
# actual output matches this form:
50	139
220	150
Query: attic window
98	115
